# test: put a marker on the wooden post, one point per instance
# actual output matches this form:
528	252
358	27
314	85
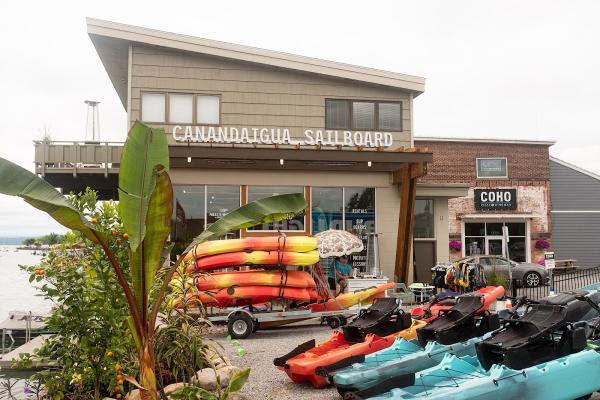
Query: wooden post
406	178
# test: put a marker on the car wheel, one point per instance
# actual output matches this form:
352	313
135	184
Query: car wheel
532	279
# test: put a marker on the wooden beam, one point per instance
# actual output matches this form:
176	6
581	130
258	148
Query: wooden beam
408	191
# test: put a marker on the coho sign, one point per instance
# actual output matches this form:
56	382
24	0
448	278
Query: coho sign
495	199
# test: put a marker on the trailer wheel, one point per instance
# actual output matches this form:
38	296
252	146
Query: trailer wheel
240	326
255	326
333	322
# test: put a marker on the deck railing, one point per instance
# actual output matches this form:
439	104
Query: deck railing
77	157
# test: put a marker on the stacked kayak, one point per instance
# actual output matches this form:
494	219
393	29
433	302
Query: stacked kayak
345	300
373	329
459	328
549	352
271	280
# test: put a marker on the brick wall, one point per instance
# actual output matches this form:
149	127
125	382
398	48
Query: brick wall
528	172
454	162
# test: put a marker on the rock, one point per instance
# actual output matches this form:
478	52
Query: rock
221	362
173	387
134	395
207	377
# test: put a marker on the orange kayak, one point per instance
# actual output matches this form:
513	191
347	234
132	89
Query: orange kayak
300	244
303	367
227	260
346	300
219	280
244	295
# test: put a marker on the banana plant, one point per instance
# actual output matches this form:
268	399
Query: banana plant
146	208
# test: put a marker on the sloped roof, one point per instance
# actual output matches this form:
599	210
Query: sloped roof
112	40
575	168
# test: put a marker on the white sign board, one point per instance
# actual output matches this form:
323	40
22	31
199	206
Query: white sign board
549	260
280	136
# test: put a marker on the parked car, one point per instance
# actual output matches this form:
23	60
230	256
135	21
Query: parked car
529	274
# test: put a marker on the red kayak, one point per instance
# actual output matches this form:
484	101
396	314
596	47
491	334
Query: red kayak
245	295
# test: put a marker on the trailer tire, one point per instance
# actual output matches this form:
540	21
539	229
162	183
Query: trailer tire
240	326
256	326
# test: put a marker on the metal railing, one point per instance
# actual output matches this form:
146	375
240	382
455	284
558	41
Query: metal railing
561	281
77	157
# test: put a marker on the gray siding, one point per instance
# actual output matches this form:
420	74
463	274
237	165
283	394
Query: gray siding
572	190
577	236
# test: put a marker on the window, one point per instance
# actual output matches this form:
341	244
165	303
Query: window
260	192
208	110
492	168
337	114
181	108
327	208
350	208
477	232
198	206
153	107
424	223
363	115
390	116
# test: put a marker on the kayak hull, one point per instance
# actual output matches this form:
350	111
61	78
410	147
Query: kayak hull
346	300
220	280
268	243
403	357
245	295
302	368
569	377
241	258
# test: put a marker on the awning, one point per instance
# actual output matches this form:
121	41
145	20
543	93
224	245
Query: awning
293	159
497	216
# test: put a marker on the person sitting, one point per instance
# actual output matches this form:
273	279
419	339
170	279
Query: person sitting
342	273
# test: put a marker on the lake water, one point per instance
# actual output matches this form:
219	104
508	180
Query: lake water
16	293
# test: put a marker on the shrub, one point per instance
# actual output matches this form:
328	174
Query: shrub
455	245
542	244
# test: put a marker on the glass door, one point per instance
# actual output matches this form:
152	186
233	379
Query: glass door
494	246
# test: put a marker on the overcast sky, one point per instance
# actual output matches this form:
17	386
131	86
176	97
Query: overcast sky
495	69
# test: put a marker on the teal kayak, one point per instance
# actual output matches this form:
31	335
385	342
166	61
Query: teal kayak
565	378
403	357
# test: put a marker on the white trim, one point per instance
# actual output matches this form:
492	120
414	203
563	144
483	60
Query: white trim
575	211
575	168
477	140
495	216
491	158
528	240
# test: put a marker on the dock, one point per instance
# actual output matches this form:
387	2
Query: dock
7	360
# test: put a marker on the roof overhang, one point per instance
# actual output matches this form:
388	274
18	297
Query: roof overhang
112	41
483	141
292	159
520	216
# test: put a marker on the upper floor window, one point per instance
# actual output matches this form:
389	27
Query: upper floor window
492	167
363	115
181	108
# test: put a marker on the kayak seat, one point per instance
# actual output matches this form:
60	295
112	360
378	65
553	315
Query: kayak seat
383	318
459	323
546	331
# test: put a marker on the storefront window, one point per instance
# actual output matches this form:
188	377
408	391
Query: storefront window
487	238
221	200
424	223
190	213
327	206
260	192
359	211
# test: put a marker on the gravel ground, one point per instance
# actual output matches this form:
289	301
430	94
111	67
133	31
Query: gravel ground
266	381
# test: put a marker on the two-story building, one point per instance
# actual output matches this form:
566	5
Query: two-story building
508	185
244	123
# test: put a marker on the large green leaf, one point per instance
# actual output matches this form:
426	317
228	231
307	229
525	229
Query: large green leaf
147	257
17	181
263	211
145	148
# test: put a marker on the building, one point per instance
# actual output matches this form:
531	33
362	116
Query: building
508	185
575	213
244	123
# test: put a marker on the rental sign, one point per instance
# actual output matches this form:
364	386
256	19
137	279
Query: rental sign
495	199
280	136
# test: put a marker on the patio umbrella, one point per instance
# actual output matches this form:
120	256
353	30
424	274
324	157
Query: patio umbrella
337	243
